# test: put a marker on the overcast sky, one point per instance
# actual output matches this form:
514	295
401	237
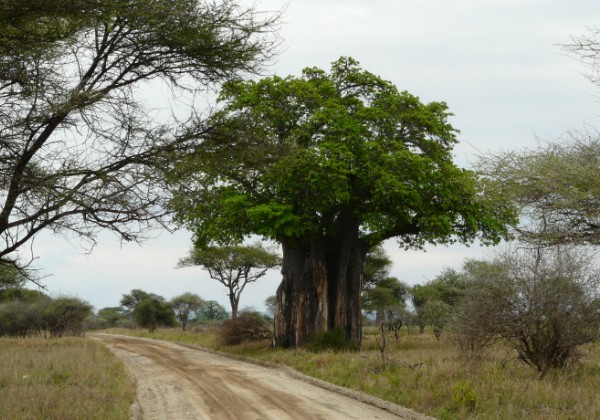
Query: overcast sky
498	65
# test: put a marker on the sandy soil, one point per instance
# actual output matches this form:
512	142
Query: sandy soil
179	382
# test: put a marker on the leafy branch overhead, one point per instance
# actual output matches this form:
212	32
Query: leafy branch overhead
555	186
80	148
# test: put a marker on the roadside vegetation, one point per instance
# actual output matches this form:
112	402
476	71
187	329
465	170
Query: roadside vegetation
431	376
67	378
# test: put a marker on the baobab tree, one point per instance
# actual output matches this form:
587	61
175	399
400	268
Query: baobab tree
330	165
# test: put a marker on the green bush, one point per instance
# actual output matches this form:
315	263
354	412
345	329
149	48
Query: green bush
152	313
43	316
463	396
330	340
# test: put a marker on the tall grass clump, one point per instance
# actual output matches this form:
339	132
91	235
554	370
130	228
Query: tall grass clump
70	378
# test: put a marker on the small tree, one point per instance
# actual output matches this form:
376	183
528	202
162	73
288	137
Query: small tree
434	300
233	266
66	314
184	306
436	313
376	267
132	299
112	316
271	304
212	310
386	300
11	277
151	313
419	294
544	302
381	294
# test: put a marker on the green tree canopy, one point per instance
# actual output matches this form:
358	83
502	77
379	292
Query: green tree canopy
295	158
151	313
11	277
186	305
329	165
130	300
381	294
112	316
211	310
376	267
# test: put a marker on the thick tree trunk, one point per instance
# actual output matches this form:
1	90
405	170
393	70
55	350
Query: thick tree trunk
302	296
320	289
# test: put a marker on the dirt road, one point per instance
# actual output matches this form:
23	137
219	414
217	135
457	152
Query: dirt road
176	382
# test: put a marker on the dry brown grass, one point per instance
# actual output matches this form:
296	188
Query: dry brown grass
68	378
431	377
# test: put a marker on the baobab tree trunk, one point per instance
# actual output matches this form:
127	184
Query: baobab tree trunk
320	289
302	296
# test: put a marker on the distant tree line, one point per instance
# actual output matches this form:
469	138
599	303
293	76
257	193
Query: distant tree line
543	302
149	310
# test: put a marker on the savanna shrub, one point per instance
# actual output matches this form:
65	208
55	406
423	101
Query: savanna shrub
542	302
151	313
249	326
57	317
463	396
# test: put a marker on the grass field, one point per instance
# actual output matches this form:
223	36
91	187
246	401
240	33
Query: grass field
432	378
67	378
78	378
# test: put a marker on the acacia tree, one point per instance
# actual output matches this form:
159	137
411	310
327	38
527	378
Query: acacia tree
130	300
330	165
151	313
234	267
434	300
271	304
111	317
11	277
376	267
79	147
555	185
212	310
185	305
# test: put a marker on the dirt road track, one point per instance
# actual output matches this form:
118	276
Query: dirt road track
176	382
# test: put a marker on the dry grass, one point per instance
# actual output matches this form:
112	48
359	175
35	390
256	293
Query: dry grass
68	378
432	378
203	337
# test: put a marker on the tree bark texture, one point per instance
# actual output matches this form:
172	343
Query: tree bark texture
320	289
